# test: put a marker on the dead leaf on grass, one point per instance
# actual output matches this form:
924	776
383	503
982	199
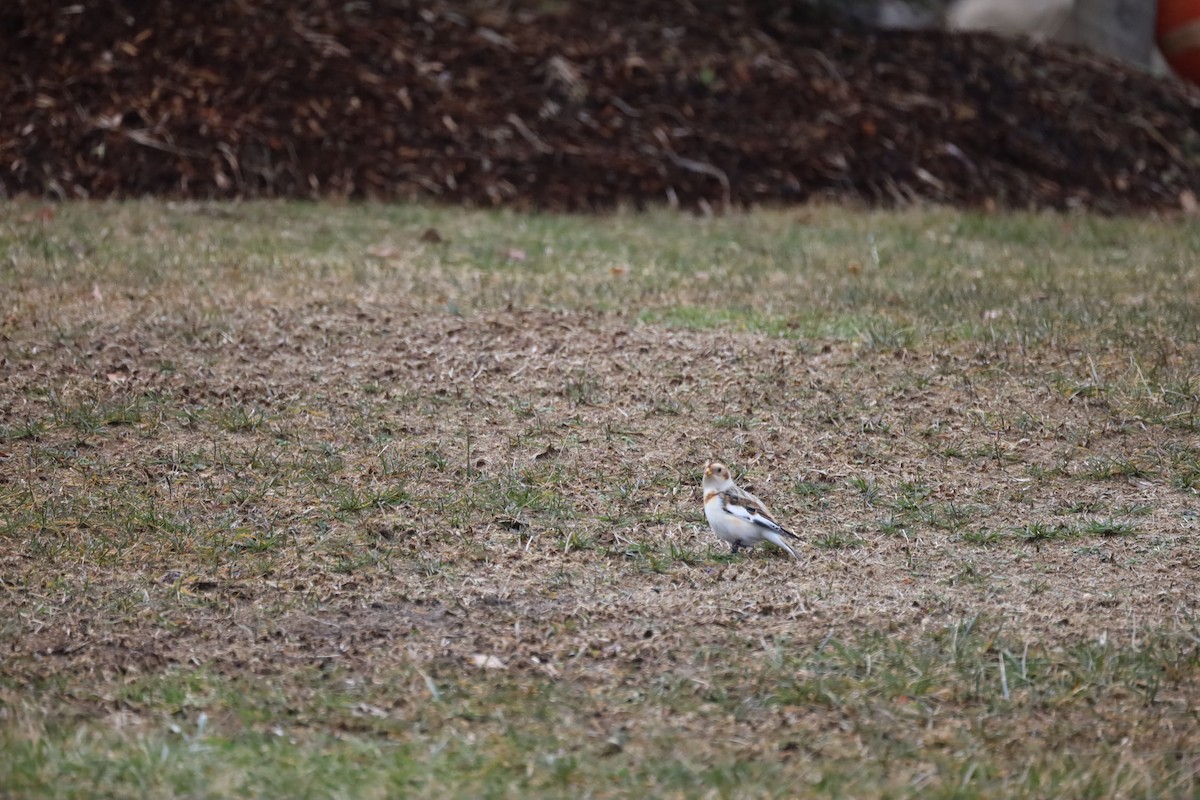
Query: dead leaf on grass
487	662
1187	202
199	585
549	669
368	710
43	215
383	252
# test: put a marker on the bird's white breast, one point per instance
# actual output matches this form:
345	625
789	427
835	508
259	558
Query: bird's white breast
726	525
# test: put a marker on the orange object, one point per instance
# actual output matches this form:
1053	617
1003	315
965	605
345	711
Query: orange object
1178	33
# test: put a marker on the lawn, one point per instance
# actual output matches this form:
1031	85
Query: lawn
320	500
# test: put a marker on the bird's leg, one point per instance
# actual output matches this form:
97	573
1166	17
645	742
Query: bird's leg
734	547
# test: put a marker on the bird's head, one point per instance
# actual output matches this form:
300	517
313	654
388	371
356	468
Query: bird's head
716	476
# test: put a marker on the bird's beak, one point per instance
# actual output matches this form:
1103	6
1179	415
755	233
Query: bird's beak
708	471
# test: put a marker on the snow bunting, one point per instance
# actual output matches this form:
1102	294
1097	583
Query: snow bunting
738	517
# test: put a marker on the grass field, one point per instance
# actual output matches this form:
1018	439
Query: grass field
375	501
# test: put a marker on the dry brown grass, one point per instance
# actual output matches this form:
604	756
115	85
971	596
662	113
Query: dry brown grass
445	504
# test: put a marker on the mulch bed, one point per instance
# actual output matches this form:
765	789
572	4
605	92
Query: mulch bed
575	106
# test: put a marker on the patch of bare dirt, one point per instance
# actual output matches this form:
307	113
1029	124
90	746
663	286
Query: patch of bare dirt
604	423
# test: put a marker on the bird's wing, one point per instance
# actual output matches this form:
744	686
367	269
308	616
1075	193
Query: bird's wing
751	510
747	499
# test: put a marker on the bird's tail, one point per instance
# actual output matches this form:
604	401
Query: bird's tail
777	540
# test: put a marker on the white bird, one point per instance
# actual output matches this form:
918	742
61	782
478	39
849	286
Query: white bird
738	517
